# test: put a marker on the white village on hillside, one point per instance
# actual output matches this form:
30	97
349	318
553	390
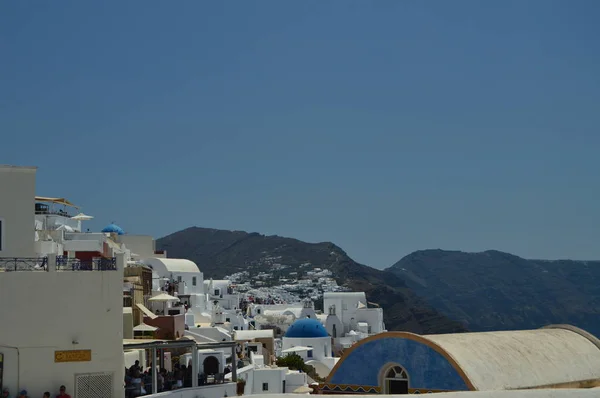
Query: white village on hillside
104	314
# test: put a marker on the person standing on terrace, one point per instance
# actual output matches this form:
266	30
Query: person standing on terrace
63	393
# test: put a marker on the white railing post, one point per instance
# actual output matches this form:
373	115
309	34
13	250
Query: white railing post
195	365
154	371
52	262
120	258
234	360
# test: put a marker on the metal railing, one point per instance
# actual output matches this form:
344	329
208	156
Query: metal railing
97	264
8	264
53	213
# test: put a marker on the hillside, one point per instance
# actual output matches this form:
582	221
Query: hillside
219	253
494	290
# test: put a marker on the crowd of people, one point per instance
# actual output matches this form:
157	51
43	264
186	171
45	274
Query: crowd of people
138	382
23	393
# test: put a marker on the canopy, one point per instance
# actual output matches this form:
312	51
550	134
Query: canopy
60	201
163	297
65	228
302	390
82	217
142	327
147	312
296	349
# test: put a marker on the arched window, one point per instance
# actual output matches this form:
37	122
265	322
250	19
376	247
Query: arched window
395	381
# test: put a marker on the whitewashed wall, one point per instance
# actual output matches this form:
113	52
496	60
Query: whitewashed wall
17	211
142	245
212	391
64	310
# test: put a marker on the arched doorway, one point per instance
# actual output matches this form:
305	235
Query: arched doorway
211	365
395	381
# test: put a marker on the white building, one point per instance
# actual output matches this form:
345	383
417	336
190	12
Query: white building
309	339
17	211
349	319
62	326
272	380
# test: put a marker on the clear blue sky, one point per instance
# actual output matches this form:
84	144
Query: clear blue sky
383	126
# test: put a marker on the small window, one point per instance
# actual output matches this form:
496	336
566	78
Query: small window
194	281
265	386
179	279
227	319
217	292
309	354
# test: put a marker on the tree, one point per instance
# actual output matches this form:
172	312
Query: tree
292	361
295	362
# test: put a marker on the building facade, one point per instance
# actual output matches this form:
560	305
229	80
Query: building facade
400	362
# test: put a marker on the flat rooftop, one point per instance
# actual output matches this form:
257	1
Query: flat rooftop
15	167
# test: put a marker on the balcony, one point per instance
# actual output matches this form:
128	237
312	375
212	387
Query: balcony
96	264
8	264
48	264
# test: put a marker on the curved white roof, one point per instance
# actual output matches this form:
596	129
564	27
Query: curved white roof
172	264
525	358
241	335
342	295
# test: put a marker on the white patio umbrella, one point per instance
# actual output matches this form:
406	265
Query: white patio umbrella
302	390
164	298
82	217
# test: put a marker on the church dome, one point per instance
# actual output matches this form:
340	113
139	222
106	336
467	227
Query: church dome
306	328
112	228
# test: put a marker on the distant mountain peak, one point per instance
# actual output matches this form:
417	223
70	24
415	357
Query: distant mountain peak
221	252
495	290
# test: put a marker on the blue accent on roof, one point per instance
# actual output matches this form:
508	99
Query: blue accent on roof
427	369
112	228
306	328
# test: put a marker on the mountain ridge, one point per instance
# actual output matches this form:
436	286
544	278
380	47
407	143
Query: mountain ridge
221	252
495	290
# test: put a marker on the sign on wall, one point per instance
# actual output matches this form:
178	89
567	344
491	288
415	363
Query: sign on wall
73	356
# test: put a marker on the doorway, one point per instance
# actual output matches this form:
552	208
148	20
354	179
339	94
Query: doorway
211	365
395	381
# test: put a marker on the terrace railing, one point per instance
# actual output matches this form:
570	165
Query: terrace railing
96	264
8	264
12	264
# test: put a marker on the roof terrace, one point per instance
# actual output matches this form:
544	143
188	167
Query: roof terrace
46	205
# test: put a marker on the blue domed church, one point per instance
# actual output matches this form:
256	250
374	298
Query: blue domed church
113	229
309	335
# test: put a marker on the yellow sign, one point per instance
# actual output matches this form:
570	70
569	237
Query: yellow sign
73	356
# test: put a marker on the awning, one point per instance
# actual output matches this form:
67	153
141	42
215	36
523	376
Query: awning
147	312
142	327
60	201
296	349
243	335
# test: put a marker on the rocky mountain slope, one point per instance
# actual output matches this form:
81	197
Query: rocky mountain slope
494	290
219	253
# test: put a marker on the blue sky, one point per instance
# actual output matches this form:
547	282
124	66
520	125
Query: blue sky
385	127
